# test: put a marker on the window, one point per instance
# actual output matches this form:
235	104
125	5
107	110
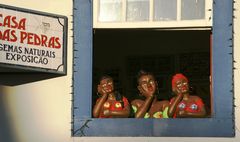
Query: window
152	13
221	122
152	50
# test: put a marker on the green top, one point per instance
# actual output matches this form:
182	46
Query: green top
158	114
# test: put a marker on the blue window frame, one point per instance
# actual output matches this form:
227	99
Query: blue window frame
221	124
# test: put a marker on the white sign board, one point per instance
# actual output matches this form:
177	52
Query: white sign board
32	39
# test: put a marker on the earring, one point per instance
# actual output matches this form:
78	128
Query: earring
98	94
157	88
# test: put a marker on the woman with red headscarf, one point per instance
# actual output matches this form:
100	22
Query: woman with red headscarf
184	105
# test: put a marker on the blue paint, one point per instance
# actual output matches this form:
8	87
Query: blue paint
220	125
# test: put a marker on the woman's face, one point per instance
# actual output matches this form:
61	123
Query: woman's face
107	85
147	85
181	86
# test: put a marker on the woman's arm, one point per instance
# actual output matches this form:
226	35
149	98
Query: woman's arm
98	105
118	113
186	114
142	109
100	102
173	105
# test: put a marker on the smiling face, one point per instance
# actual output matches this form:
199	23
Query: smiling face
107	85
147	85
180	85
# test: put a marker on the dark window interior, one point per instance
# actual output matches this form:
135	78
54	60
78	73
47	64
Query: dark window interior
121	53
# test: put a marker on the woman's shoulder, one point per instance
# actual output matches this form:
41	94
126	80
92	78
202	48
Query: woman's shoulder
162	104
196	98
124	98
137	102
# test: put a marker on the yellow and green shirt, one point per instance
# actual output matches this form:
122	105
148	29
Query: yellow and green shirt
158	114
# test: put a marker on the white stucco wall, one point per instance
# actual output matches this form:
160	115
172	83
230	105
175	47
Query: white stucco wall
41	111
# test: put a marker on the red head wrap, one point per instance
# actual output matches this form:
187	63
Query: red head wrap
176	77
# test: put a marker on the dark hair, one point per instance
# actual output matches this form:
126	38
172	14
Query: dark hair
142	73
117	95
105	77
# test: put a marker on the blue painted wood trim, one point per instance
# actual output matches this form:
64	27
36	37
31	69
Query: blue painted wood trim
220	125
82	62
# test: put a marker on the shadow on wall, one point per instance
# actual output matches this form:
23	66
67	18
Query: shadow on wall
6	132
13	79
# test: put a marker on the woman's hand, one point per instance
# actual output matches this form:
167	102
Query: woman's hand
101	90
181	112
173	105
106	112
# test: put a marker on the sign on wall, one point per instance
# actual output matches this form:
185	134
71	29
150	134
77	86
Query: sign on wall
32	40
